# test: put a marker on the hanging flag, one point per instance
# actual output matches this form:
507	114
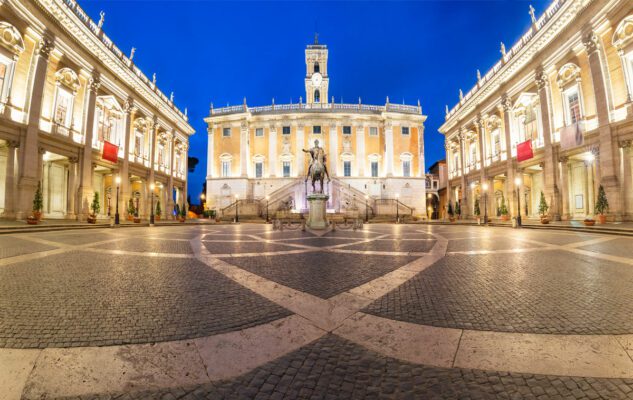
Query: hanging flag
524	151
570	137
110	152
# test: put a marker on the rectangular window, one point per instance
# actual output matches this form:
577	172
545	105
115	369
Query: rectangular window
138	144
3	75
286	169
226	168
373	131
473	153
63	107
374	169
285	130
259	132
6	71
316	129
573	102
161	150
496	143
347	130
629	66
347	168
405	130
406	168
226	132
259	169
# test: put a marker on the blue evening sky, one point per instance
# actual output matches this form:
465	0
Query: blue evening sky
221	52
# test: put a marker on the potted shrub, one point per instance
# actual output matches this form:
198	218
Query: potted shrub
542	209
158	211
458	209
451	215
602	205
38	205
589	221
95	207
503	210
130	210
183	213
477	211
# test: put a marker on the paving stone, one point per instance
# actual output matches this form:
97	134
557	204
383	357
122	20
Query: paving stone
11	246
322	274
537	292
143	245
391	379
81	298
245	247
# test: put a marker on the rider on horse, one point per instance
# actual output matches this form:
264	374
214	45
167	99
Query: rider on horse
317	154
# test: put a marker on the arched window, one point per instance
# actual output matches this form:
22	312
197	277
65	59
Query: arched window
12	46
109	121
317	96
568	80
316	67
623	42
67	86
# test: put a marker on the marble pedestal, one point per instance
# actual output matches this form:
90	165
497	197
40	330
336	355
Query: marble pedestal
316	216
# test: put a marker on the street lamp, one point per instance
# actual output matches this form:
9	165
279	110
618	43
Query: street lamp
517	182
366	209
267	200
484	187
116	213
397	208
237	218
151	210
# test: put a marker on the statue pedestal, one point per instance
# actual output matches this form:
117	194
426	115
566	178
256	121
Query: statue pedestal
316	205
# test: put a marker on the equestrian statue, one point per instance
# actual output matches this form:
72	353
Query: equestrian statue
318	168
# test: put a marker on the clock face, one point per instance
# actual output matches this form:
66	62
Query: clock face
317	79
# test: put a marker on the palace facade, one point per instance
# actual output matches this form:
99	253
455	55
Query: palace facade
554	115
375	154
75	113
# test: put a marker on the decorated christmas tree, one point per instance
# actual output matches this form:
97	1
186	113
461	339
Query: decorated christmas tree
602	204
477	210
542	205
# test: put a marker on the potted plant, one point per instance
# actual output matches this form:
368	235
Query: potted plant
542	209
458	209
38	205
503	210
589	221
95	207
137	218
451	215
183	213
477	210
602	205
158	211
130	210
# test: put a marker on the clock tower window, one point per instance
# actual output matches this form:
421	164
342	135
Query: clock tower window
316	67
317	96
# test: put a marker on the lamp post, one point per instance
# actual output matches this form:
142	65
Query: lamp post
267	200
151	209
116	213
397	209
366	209
517	182
202	197
484	187
237	218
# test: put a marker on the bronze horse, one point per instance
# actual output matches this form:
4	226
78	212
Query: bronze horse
317	170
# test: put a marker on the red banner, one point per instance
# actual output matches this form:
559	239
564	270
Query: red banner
524	151
110	152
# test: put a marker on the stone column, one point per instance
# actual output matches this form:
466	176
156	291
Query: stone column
244	150
85	183
564	183
421	159
608	154
481	128
506	103
71	210
152	162
299	150
360	150
332	158
272	152
185	153
464	198
550	176
449	189
388	149
28	157
124	190
210	151
10	182
170	180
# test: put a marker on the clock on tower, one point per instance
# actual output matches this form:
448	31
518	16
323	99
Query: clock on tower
317	80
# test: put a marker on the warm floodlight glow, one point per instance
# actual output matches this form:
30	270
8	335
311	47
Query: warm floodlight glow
484	186
117	180
152	186
517	181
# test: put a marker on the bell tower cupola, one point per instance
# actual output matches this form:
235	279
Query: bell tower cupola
317	79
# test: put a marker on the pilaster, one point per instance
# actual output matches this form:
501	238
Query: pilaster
10	181
244	150
85	183
550	175
388	128
272	151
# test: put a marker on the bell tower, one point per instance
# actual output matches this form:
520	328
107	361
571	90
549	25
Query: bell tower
317	80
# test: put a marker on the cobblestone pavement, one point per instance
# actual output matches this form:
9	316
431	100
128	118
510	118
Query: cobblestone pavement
334	368
109	287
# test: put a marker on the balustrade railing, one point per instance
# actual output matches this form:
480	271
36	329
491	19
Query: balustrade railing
400	108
